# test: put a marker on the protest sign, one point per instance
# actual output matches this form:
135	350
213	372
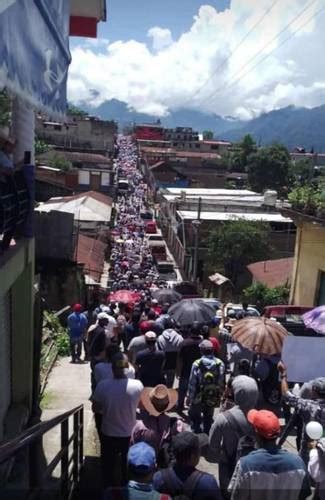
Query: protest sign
304	358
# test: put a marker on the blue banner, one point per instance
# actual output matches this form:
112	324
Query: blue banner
34	51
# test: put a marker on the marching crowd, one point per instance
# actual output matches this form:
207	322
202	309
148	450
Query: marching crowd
226	407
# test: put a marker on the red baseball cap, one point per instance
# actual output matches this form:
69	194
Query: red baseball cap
77	308
265	423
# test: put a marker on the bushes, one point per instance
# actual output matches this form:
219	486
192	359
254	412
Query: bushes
59	334
262	296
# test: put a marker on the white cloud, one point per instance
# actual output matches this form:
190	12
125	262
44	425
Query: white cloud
191	71
161	37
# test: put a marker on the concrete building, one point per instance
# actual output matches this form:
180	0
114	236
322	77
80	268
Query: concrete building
83	132
90	172
179	211
308	276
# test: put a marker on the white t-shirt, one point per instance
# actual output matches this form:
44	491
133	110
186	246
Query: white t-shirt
112	323
103	371
119	399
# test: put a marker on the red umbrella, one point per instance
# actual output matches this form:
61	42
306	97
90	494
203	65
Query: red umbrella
125	296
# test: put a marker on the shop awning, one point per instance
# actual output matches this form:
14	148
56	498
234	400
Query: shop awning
34	51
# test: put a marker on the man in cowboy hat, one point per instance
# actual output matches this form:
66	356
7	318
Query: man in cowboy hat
155	427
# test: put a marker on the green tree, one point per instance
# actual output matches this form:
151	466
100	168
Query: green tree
207	135
40	146
61	163
5	108
235	244
268	168
74	110
301	172
260	294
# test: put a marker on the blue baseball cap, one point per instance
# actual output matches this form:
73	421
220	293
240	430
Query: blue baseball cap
141	458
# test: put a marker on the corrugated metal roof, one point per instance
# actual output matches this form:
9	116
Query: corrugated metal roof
211	192
272	273
90	206
91	253
224	216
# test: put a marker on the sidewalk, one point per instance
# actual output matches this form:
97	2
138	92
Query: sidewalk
68	386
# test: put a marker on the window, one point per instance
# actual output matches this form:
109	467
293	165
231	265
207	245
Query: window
214	146
57	127
84	177
321	289
197	146
105	179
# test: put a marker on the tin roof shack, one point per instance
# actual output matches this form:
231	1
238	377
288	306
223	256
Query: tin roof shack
92	211
66	259
179	211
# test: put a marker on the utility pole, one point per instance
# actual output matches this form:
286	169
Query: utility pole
196	225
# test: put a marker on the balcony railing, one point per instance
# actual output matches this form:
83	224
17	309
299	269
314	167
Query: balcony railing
16	205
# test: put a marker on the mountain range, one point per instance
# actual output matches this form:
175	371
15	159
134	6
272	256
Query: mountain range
290	126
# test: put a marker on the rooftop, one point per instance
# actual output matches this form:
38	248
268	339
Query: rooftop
75	157
210	192
90	206
91	253
272	273
226	216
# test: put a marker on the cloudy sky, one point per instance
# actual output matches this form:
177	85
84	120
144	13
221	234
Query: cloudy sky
166	55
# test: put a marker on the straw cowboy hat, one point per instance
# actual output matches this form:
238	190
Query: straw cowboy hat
5	135
158	399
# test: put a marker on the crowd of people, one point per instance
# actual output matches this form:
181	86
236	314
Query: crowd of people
164	395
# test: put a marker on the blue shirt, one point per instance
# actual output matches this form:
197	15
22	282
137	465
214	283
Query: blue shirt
206	488
6	162
135	491
77	324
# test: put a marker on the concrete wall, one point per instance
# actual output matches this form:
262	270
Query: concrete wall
309	262
16	328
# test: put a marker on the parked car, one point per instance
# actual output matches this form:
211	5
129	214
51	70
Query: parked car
123	186
154	238
217	304
158	251
150	227
239	310
168	273
291	318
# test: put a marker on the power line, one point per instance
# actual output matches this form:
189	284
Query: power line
230	84
240	43
280	45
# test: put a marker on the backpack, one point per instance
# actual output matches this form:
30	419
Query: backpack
246	442
176	489
209	390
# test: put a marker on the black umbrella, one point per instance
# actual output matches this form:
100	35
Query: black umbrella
166	296
187	311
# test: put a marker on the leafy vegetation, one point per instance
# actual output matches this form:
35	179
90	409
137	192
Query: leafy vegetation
309	199
268	168
5	108
75	111
41	147
61	163
234	244
207	135
262	296
58	332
